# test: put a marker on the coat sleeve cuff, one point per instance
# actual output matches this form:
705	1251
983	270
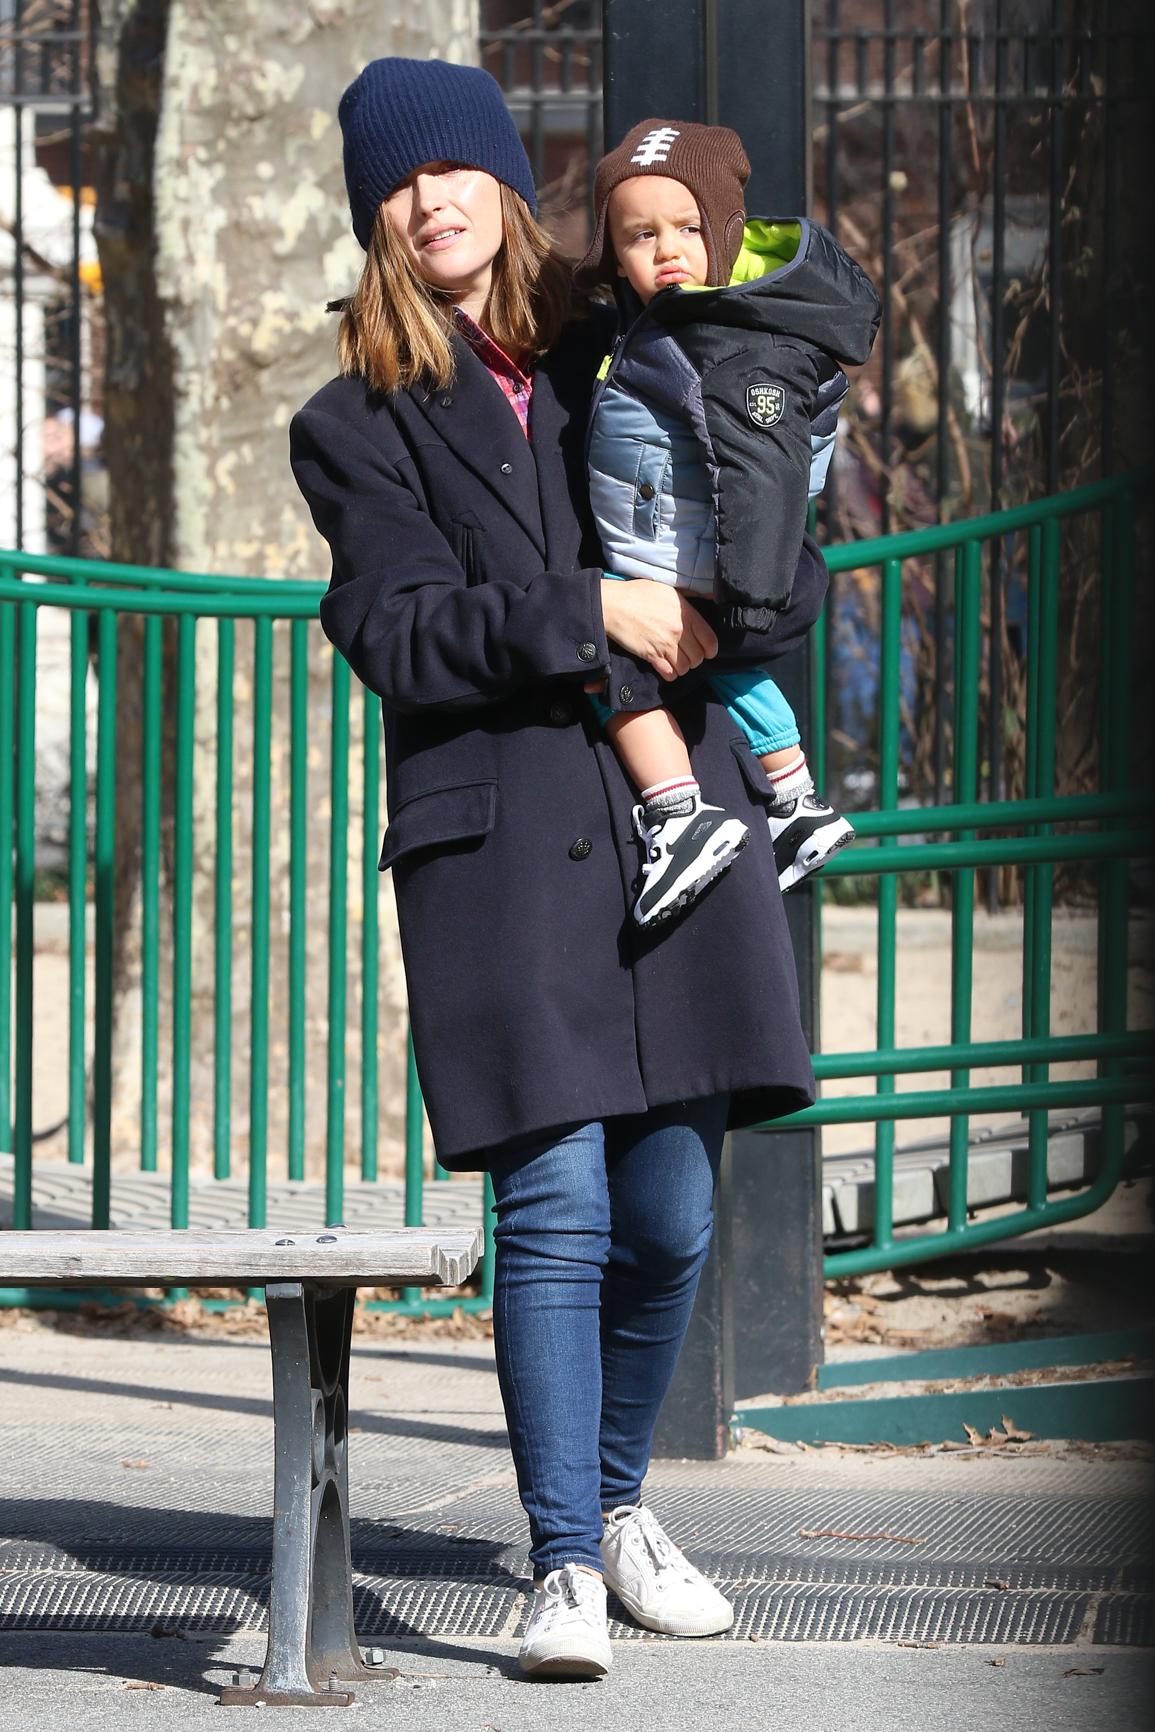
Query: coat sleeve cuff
631	684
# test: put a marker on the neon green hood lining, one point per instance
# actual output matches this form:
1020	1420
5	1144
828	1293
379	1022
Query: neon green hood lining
766	247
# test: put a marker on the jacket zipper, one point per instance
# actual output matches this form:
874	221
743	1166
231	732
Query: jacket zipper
620	342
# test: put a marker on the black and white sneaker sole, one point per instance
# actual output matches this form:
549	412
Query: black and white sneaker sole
727	844
814	852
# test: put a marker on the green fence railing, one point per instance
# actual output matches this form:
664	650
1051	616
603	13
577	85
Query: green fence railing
187	667
1107	828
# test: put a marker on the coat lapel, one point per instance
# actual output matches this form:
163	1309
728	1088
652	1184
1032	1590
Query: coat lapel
557	428
482	429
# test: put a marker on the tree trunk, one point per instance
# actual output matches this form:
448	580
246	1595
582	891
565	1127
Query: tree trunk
223	229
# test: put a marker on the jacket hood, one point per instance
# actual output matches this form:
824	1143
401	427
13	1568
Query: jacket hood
791	279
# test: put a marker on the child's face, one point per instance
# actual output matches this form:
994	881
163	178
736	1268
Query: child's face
656	233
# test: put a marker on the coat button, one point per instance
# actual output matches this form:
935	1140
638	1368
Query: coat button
625	693
645	491
560	713
507	469
588	652
581	848
447	402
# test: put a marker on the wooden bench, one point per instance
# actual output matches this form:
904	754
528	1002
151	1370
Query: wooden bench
310	1282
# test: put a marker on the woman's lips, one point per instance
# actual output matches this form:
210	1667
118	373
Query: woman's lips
439	243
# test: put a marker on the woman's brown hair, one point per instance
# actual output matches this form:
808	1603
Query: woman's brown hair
395	327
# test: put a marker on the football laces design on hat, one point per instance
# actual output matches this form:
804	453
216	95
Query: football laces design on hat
655	147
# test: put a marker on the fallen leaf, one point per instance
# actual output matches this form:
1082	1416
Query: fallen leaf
1012	1430
159	1630
999	1662
995	1582
1083	1671
141	1463
150	1685
974	1435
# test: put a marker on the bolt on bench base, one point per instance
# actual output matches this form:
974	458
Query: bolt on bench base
312	1649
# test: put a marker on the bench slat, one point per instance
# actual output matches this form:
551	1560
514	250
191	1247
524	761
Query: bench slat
414	1255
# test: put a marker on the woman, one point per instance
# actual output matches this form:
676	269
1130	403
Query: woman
591	1067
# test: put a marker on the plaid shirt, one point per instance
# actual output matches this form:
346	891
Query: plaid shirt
518	386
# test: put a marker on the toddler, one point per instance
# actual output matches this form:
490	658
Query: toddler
712	426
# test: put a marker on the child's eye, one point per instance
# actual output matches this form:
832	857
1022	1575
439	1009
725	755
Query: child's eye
692	228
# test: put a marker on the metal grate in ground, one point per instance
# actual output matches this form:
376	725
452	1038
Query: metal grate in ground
989	1570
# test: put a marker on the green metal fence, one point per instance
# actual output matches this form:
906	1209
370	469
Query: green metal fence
1107	828
167	614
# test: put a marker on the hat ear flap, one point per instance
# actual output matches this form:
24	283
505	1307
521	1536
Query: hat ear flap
735	234
719	269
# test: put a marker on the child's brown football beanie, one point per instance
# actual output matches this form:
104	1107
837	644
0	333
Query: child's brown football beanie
709	160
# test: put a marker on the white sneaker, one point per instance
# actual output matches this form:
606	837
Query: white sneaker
683	855
566	1636
805	834
655	1581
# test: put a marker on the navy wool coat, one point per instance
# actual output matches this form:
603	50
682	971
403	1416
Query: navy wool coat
465	593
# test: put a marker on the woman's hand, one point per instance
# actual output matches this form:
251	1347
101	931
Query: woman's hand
655	622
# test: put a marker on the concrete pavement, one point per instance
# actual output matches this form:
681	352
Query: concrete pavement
873	1590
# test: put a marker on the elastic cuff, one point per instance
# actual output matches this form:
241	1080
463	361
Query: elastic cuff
760	744
601	711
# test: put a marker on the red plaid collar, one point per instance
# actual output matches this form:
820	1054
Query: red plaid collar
517	386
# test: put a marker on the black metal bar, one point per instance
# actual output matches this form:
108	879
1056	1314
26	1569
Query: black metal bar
18	269
943	358
710	61
996	575
1110	260
654	64
537	95
886	393
76	389
1054	250
828	504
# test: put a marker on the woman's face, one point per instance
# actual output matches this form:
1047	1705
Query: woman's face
449	221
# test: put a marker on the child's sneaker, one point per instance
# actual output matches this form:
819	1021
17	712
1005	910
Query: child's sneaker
805	834
683	855
567	1636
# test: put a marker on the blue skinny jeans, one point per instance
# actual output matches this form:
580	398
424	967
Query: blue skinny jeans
601	1233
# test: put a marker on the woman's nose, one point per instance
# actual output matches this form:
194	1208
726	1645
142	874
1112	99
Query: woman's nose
427	192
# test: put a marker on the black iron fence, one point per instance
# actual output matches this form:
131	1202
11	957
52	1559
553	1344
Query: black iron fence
983	158
50	330
974	154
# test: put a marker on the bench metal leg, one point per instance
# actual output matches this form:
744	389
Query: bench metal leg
312	1649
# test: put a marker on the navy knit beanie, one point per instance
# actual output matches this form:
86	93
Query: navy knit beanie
398	114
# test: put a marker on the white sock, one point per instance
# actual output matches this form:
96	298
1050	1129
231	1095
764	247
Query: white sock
672	798
791	781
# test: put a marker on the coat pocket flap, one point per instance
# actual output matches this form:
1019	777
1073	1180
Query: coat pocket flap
756	777
441	815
